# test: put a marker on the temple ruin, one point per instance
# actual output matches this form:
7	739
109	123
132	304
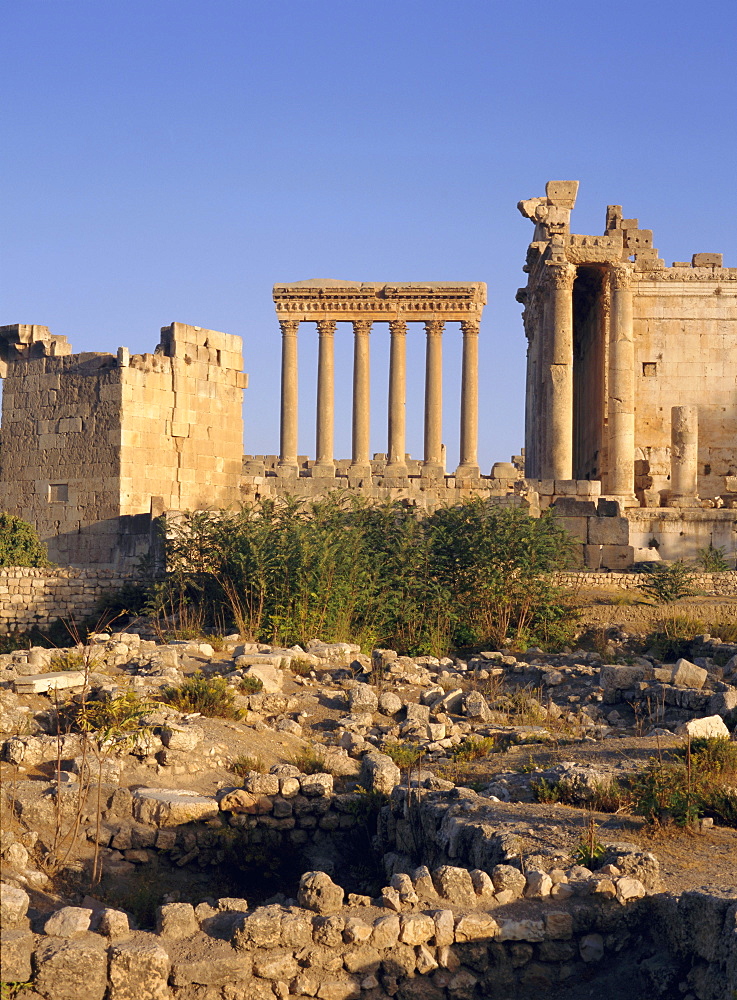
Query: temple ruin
631	406
631	365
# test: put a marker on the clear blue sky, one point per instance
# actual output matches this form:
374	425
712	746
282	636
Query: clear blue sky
173	159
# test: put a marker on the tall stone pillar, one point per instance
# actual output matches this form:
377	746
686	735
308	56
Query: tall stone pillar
469	464
396	461
558	459
620	479
324	464
684	453
361	458
433	464
289	419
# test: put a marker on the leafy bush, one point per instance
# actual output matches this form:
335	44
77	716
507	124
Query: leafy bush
668	582
310	760
209	696
20	544
697	781
251	684
344	568
243	764
712	560
473	748
67	659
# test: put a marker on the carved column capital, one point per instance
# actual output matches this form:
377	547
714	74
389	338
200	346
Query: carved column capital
398	327
560	276
362	327
434	327
326	327
620	276
470	327
289	327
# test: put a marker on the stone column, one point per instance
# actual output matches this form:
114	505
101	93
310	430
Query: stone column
620	479
396	461
433	464
289	420
469	464
324	464
684	453
361	458
558	460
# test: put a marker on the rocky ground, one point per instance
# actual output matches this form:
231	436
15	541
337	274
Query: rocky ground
135	817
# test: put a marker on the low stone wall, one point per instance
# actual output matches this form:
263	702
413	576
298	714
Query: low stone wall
31	597
720	584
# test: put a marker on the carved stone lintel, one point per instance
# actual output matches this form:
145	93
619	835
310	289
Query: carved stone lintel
620	276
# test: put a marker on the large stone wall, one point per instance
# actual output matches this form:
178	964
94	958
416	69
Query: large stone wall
31	597
91	442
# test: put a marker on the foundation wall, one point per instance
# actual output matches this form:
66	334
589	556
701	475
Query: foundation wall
31	597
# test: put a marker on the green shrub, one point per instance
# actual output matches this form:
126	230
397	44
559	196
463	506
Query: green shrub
712	560
342	567
251	684
209	696
67	659
243	764
667	583
473	748
311	760
20	544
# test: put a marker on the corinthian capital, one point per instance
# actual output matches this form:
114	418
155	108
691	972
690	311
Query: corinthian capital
560	276
398	327
434	327
620	276
470	327
326	327
289	327
362	327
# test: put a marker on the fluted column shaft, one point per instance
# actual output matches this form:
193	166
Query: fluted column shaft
433	464
396	462
324	464
558	463
361	458
469	463
621	410
289	417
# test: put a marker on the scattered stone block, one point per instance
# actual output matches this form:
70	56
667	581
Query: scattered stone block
139	970
176	920
68	922
13	906
707	728
319	893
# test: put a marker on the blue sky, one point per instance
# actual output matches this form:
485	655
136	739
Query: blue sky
173	159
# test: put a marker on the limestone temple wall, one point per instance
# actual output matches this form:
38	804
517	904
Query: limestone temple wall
38	597
94	444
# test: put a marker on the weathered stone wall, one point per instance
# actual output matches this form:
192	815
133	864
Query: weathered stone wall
39	596
685	332
720	584
90	442
260	478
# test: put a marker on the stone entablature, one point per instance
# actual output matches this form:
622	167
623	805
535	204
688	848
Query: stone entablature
412	301
631	365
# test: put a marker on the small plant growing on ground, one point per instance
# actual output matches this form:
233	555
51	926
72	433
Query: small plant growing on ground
712	560
311	760
251	684
668	583
473	748
243	764
589	850
302	668
546	791
209	696
67	659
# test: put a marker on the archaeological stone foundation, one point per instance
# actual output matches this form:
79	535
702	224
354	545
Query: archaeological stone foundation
631	406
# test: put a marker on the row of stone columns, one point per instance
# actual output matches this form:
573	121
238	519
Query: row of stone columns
557	459
361	459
